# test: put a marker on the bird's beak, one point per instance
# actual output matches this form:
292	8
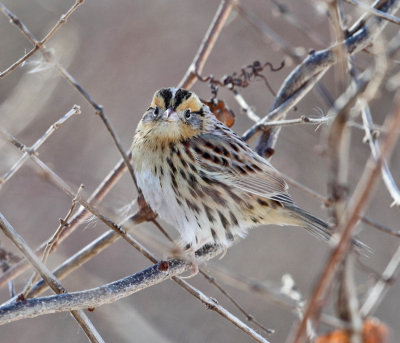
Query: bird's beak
170	115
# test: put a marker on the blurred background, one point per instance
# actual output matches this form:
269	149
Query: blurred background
121	52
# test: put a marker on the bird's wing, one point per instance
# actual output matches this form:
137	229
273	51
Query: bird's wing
229	160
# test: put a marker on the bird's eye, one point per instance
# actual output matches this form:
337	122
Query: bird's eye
188	114
156	111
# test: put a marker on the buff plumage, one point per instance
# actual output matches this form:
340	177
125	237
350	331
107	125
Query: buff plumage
201	178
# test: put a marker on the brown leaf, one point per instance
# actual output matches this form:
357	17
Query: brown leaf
221	111
373	332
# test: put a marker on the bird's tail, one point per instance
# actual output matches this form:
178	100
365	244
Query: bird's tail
320	229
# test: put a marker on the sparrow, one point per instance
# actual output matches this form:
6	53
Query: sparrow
200	177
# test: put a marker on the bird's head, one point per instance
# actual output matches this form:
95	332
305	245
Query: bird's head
175	114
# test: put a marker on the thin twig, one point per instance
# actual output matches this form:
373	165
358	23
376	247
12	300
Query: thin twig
95	297
122	288
280	112
50	244
215	28
349	220
49	277
381	227
285	12
212	281
77	260
301	120
248	316
297	84
374	11
372	141
212	305
245	106
67	76
338	149
61	184
37	44
99	111
377	293
269	292
82	214
32	150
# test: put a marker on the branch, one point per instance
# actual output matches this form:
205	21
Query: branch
374	11
61	184
215	28
37	44
374	146
100	192
32	150
120	289
377	293
95	297
357	204
50	59
49	277
50	245
304	76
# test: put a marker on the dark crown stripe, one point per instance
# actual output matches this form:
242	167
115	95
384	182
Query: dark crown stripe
181	94
166	94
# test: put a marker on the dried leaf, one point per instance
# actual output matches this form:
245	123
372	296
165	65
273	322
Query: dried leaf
221	111
373	332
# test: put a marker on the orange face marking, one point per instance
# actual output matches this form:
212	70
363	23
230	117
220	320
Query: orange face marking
193	104
158	101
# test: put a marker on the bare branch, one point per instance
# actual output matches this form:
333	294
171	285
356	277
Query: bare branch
56	180
349	220
306	77
381	227
32	150
50	59
100	192
248	316
297	84
49	277
372	141
212	305
50	244
119	289
98	109
377	293
37	44
215	28
95	297
245	106
285	12
301	120
374	11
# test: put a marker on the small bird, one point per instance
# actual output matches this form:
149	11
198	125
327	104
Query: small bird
203	179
